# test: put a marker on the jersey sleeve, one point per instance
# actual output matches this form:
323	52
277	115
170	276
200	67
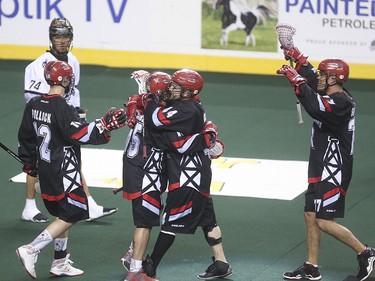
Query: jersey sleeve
187	144
328	109
27	139
178	118
74	130
34	82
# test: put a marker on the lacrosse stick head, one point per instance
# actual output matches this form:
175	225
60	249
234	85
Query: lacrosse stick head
140	76
285	33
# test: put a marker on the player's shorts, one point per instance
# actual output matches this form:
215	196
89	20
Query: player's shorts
186	209
326	200
141	176
147	210
72	208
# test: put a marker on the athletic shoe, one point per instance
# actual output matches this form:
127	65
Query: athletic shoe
28	256
101	212
138	276
307	271
39	217
218	269
126	259
366	263
63	267
148	267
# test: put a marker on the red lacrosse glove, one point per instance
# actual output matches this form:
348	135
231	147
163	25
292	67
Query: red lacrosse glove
297	56
217	150
210	129
134	107
292	75
113	119
32	171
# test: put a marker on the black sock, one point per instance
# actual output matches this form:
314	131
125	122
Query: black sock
60	254
163	243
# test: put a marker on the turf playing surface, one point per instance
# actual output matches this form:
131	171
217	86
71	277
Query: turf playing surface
262	237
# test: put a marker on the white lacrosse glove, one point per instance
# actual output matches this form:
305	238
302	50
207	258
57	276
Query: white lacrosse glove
217	150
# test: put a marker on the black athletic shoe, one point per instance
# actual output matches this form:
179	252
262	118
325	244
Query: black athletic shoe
148	267
366	263
306	271
218	269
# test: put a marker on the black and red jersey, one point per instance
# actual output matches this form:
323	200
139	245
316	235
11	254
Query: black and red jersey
51	134
332	138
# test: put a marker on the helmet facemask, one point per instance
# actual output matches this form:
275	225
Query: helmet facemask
69	88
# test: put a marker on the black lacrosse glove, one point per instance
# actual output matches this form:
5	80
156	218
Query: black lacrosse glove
32	171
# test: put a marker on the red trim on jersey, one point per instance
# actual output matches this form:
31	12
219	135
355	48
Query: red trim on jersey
151	200
131	196
326	105
180	143
174	186
182	208
205	194
77	198
162	118
52	197
51	96
314	180
80	133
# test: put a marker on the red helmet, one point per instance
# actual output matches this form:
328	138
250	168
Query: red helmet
158	82
337	67
58	73
189	80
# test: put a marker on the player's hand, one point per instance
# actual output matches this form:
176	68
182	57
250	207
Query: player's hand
134	108
113	119
211	129
217	150
146	98
292	75
295	55
32	171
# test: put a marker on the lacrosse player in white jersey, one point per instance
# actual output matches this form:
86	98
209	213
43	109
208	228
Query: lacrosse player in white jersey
61	42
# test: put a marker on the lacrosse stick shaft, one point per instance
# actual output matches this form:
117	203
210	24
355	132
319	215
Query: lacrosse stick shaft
15	156
285	35
298	104
115	191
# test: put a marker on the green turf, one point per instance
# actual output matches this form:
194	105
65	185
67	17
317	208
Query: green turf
262	238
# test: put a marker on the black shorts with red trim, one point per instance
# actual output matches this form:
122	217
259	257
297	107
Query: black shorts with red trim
186	209
147	209
326	200
69	207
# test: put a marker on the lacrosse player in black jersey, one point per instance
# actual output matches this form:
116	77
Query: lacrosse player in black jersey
188	204
332	108
49	139
144	171
61	42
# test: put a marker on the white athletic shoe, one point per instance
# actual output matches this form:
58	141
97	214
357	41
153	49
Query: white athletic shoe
126	259
28	256
99	212
63	267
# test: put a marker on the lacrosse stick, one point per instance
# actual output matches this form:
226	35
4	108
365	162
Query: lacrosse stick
11	153
141	76
285	35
